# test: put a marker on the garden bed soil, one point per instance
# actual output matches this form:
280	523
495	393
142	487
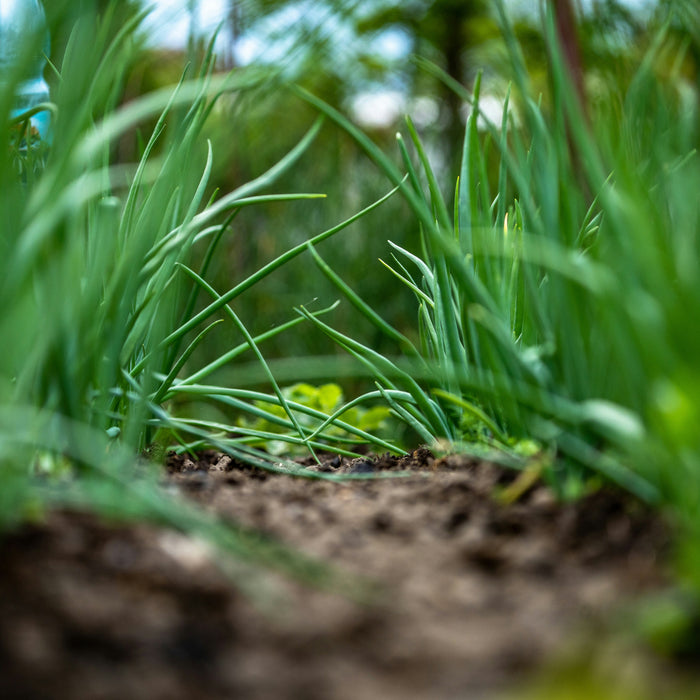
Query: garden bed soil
470	595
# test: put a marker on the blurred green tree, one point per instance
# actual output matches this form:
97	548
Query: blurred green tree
342	48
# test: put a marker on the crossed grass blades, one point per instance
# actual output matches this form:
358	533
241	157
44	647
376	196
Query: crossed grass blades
99	298
554	312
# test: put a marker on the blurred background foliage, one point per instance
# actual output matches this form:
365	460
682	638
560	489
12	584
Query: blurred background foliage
358	56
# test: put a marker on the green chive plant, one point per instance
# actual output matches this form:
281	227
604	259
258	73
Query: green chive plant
558	307
103	269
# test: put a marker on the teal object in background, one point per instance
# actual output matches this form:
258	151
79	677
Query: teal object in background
24	47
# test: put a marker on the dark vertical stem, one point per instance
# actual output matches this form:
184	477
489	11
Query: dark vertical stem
567	35
453	47
570	49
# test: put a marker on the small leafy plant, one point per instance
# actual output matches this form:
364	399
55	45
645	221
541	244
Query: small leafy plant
325	414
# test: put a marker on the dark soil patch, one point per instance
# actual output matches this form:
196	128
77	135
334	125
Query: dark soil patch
476	594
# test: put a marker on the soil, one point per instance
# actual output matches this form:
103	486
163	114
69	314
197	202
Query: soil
471	594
